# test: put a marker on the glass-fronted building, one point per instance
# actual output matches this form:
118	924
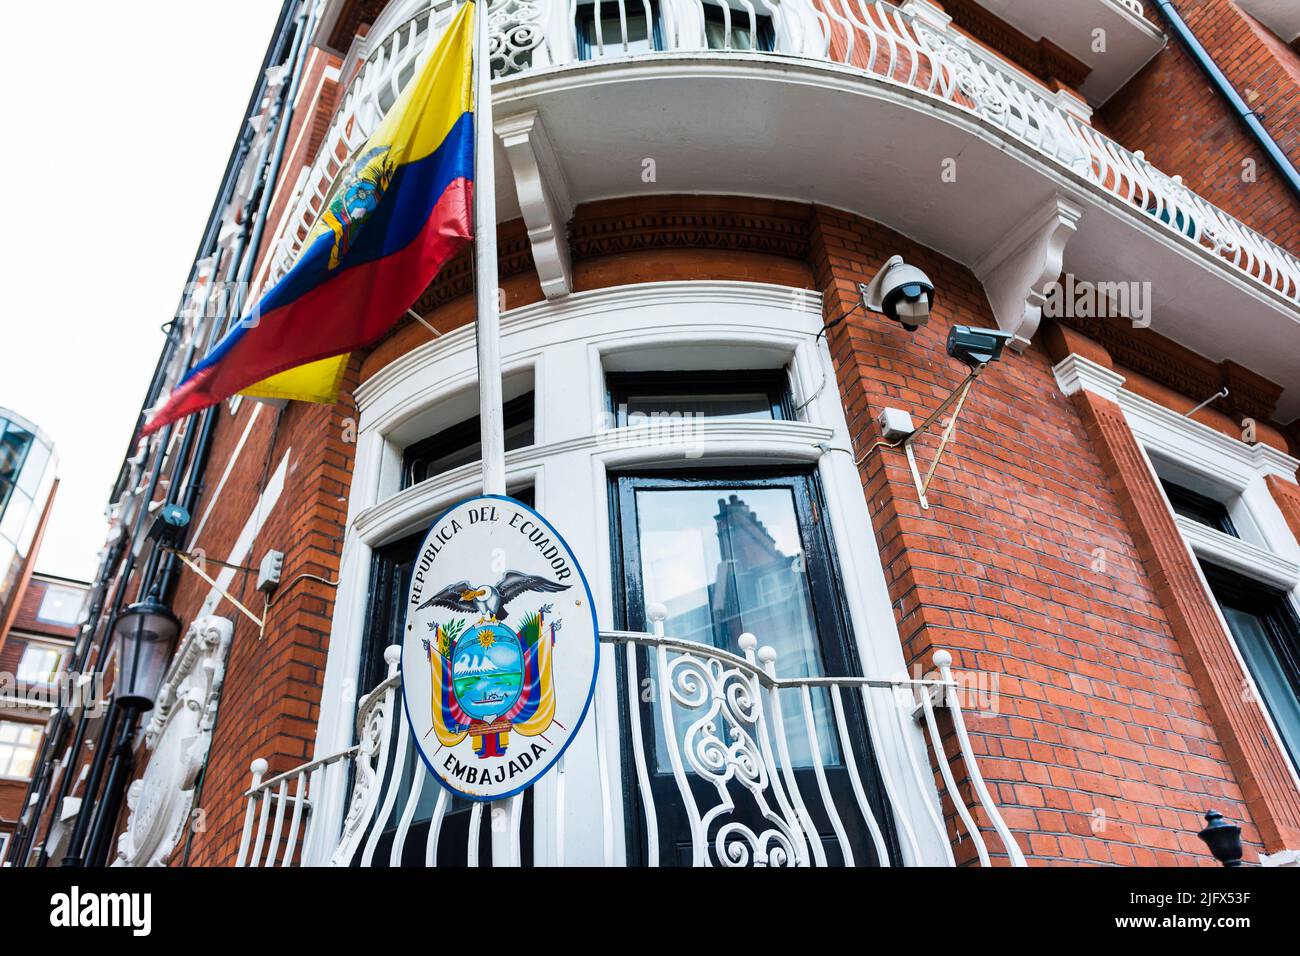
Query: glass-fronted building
27	466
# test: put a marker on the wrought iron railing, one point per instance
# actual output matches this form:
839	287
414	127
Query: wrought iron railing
741	759
882	41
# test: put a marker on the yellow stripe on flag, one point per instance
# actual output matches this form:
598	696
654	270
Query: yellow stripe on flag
417	124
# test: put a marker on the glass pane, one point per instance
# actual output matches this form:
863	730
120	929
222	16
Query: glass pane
38	665
34	467
641	409
715	32
1269	674
610	42
15	516
726	562
60	606
13	449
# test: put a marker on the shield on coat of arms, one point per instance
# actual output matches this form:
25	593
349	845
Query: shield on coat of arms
500	650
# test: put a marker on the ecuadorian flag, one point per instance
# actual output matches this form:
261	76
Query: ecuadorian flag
399	211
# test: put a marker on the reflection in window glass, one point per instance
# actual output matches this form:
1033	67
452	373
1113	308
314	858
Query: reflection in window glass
18	743
460	444
34	467
39	664
725	564
60	606
13	450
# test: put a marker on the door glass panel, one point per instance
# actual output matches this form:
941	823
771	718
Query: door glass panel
725	562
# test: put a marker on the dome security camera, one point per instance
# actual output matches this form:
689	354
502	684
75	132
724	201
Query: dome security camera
903	293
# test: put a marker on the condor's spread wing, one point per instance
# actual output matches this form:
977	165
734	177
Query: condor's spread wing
449	597
515	583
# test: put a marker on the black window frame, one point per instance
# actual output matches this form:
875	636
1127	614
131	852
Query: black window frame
1274	610
1199	508
839	648
515	412
775	383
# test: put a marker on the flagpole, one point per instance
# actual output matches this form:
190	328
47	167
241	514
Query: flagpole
487	331
488	324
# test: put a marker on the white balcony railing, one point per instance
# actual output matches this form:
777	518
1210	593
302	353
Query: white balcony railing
884	42
735	736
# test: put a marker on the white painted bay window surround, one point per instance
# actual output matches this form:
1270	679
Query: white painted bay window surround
746	457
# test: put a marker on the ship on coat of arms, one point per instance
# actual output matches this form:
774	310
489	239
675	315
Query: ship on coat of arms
487	680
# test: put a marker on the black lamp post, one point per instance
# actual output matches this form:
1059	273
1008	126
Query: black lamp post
146	634
1223	839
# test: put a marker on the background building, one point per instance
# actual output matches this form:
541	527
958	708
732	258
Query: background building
27	485
39	613
690	195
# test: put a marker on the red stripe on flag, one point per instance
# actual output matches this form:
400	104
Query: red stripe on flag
347	312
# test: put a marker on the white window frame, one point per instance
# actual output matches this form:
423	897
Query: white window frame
566	347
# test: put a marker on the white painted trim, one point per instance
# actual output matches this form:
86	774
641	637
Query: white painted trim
566	344
244	543
1222	549
1075	373
230	466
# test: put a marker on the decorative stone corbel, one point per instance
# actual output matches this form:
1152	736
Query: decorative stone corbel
1017	272
177	738
543	198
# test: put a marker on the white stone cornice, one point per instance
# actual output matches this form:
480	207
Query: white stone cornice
1075	373
1017	271
1232	553
1179	437
543	198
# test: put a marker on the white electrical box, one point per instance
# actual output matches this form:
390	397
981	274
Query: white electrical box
268	572
895	424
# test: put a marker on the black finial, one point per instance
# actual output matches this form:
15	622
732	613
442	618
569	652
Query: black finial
1223	839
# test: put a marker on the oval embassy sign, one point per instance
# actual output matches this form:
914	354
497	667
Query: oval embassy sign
500	649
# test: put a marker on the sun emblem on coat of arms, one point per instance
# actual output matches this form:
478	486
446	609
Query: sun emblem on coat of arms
487	680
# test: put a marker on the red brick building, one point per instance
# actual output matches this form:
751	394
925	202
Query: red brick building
690	196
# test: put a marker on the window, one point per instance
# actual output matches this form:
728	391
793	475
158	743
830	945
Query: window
39	664
1267	631
61	606
4	845
18	744
604	36
460	444
715	29
640	397
731	552
1199	508
640	25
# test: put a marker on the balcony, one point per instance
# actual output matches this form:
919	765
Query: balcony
738	772
869	103
1131	39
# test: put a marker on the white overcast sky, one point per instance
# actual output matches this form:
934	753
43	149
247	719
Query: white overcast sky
119	120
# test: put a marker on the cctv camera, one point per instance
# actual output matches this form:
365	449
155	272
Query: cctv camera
904	293
976	347
168	528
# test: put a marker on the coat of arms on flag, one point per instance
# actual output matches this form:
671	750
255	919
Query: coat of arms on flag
497	666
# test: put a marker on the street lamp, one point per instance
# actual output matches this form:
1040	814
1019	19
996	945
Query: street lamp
146	633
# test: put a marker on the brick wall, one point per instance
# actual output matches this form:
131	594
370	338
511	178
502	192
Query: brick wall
270	702
1173	112
1102	750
